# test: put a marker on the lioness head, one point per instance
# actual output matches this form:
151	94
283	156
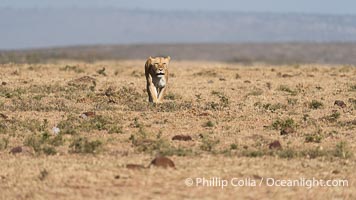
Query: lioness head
159	65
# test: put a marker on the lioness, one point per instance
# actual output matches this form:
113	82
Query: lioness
157	77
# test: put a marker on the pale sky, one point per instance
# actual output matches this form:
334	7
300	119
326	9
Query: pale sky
51	23
274	6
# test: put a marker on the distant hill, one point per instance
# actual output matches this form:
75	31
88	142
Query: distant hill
33	28
275	53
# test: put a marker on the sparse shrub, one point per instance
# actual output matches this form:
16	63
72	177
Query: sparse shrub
292	101
12	93
177	151
253	153
160	145
258	104
285	88
26	125
93	86
31	104
208	144
73	68
210	73
83	145
282	124
314	153
213	105
98	122
102	71
68	126
145	142
353	88
314	104
233	146
170	106
209	124
306	117
172	96
224	101
271	107
73	124
287	153
269	85
333	133
38	97
49	150
316	138
43	174
34	142
128	94
83	83
4	142
333	117
131	99
115	129
3	127
353	102
342	150
198	97
44	125
137	124
44	142
255	92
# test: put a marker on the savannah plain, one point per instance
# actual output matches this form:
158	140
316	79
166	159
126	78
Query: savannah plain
71	129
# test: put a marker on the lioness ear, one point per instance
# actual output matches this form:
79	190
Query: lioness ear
149	58
168	57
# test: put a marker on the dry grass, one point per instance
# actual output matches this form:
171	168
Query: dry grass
232	113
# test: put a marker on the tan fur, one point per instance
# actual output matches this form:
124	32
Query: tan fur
156	70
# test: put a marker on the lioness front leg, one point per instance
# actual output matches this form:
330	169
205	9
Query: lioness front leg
152	93
161	94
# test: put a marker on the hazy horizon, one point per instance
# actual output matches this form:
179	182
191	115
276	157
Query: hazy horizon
272	6
43	23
